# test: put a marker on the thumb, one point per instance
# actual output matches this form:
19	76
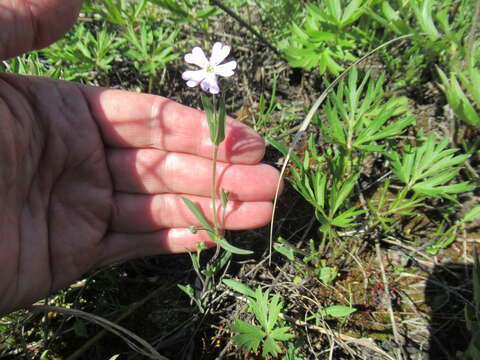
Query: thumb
28	25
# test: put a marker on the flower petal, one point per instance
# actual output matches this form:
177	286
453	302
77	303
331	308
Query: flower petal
219	53
209	84
197	57
194	76
191	83
226	69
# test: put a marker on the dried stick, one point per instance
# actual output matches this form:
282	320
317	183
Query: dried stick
396	334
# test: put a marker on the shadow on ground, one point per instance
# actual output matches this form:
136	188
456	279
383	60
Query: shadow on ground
448	291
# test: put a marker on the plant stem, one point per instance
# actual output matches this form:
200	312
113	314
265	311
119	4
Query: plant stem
214	173
214	189
150	83
471	37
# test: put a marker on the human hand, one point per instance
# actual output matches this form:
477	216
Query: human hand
91	176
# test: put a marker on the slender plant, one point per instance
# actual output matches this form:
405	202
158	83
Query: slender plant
206	77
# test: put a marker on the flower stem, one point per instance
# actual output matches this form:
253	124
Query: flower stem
214	172
214	188
150	83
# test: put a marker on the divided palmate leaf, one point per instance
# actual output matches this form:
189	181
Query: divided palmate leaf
426	169
249	336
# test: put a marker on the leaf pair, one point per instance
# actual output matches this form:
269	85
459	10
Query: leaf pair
216	119
219	240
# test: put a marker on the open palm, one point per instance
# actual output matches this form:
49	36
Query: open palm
90	176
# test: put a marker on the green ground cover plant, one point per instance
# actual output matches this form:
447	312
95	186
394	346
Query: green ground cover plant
375	234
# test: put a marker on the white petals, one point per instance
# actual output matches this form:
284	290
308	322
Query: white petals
219	53
226	70
210	84
206	76
197	57
195	75
191	83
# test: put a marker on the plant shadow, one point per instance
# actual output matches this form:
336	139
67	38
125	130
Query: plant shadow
448	291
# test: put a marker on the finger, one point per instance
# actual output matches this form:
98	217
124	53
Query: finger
135	120
145	213
151	171
121	246
30	25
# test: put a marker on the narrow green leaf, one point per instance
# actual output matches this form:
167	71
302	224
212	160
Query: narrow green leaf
287	252
282	334
275	307
220	123
198	214
472	214
270	347
337	311
239	287
224	197
284	150
187	289
344	191
224	244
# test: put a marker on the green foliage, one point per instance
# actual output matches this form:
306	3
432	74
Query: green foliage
327	38
277	15
445	237
239	287
266	108
150	48
188	11
215	119
266	332
427	169
188	290
83	54
326	274
362	119
30	64
464	96
429	21
359	120
119	12
358	115
337	311
219	240
439	29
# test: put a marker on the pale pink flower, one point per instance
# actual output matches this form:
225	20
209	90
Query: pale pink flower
209	69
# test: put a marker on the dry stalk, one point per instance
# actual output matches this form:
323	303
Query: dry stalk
396	334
